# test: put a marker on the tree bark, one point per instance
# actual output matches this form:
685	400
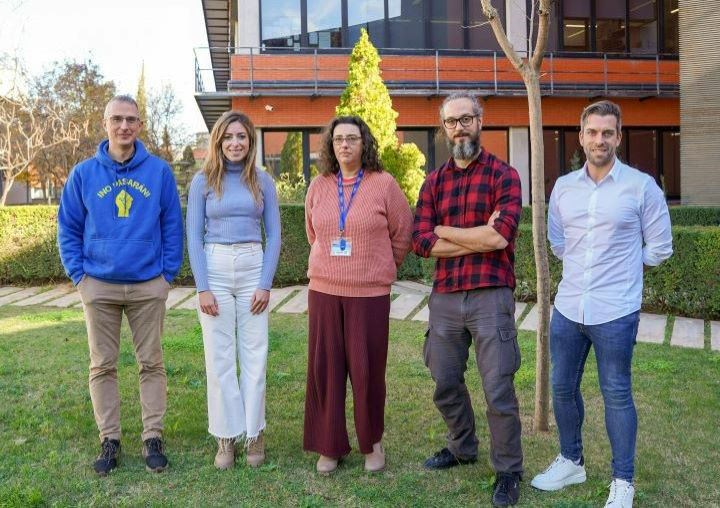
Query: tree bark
529	69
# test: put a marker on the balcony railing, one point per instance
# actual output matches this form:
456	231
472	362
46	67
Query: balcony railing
316	71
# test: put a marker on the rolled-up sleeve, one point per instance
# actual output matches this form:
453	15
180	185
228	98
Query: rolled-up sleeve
423	236
509	203
656	228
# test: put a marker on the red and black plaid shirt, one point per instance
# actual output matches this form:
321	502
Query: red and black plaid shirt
466	198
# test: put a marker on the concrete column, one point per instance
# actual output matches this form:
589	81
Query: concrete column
516	25
247	28
519	138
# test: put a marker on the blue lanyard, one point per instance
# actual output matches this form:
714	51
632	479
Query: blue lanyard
341	202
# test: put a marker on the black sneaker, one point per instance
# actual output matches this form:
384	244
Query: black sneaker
108	458
155	459
445	459
505	490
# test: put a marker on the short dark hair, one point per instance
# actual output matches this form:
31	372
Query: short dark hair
370	160
601	108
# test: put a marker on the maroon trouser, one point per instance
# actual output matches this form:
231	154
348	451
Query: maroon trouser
347	335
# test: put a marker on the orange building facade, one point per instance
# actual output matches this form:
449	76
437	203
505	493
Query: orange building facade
288	70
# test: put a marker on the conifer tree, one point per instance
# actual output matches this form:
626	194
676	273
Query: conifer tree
367	96
141	95
291	157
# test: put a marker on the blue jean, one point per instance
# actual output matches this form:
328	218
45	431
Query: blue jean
569	347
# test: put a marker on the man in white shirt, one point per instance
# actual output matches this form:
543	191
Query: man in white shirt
605	221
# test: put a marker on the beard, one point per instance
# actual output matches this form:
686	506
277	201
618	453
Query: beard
464	150
598	159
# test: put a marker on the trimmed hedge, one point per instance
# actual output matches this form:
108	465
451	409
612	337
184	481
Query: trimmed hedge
688	284
679	215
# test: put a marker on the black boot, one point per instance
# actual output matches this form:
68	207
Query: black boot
155	459
108	458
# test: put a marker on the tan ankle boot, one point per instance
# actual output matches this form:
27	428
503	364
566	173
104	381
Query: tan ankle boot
375	461
225	457
326	465
256	452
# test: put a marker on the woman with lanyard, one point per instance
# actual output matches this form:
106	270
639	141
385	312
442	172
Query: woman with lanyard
359	225
227	202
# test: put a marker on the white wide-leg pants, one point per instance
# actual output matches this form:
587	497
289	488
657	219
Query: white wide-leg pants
236	407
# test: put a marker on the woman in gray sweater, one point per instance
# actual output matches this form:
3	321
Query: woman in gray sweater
227	202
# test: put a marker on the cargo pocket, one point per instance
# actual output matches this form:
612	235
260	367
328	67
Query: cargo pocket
509	352
426	352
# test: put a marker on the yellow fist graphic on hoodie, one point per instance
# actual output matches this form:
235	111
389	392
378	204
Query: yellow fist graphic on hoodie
123	201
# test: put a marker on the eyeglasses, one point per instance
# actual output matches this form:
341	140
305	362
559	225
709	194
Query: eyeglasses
118	120
351	140
465	121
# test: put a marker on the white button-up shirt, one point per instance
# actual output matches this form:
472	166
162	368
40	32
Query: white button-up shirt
598	230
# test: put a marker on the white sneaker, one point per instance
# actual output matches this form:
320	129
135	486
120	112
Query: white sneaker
560	473
621	494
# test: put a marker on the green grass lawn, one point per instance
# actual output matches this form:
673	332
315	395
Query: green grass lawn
49	439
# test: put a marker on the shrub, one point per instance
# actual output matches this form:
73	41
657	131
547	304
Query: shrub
688	284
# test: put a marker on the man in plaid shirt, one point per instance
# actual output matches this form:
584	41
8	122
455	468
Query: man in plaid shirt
466	217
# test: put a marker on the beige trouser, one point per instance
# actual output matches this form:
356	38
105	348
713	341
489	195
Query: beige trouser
144	306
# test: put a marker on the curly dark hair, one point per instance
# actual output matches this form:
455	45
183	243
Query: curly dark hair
328	163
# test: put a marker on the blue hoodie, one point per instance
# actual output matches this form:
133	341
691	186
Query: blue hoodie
121	223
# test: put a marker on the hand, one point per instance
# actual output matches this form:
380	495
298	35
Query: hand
208	303
259	301
492	218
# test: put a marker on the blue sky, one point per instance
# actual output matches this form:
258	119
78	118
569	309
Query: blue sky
118	36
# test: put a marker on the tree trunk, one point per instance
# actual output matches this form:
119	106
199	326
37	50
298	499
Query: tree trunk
532	84
7	185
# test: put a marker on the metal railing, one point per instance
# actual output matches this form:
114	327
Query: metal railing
314	72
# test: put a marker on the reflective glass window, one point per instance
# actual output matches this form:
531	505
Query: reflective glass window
576	25
280	23
481	35
368	14
420	138
671	164
551	146
610	26
446	21
643	26
324	20
643	150
670	19
407	24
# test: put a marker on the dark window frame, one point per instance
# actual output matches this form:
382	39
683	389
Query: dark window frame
344	28
557	14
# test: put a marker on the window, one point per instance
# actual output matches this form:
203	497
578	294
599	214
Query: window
368	14
643	26
671	164
670	24
280	23
552	168
643	151
610	26
576	25
407	24
324	19
420	137
481	35
446	21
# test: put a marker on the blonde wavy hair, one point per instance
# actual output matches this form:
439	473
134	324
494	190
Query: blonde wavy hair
214	167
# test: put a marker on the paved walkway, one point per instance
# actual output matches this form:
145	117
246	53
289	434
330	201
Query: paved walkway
409	303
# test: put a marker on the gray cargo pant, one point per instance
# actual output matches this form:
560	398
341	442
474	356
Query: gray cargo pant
485	316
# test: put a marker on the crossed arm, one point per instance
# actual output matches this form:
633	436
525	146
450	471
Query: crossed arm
455	242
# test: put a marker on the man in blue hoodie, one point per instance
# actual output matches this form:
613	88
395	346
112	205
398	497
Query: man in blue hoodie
120	233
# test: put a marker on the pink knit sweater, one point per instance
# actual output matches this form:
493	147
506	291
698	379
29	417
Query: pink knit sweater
379	225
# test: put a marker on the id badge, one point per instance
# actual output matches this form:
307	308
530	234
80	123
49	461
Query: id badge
336	247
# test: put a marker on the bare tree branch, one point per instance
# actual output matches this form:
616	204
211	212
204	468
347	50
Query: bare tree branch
543	26
492	16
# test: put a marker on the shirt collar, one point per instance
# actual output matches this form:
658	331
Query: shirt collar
615	172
